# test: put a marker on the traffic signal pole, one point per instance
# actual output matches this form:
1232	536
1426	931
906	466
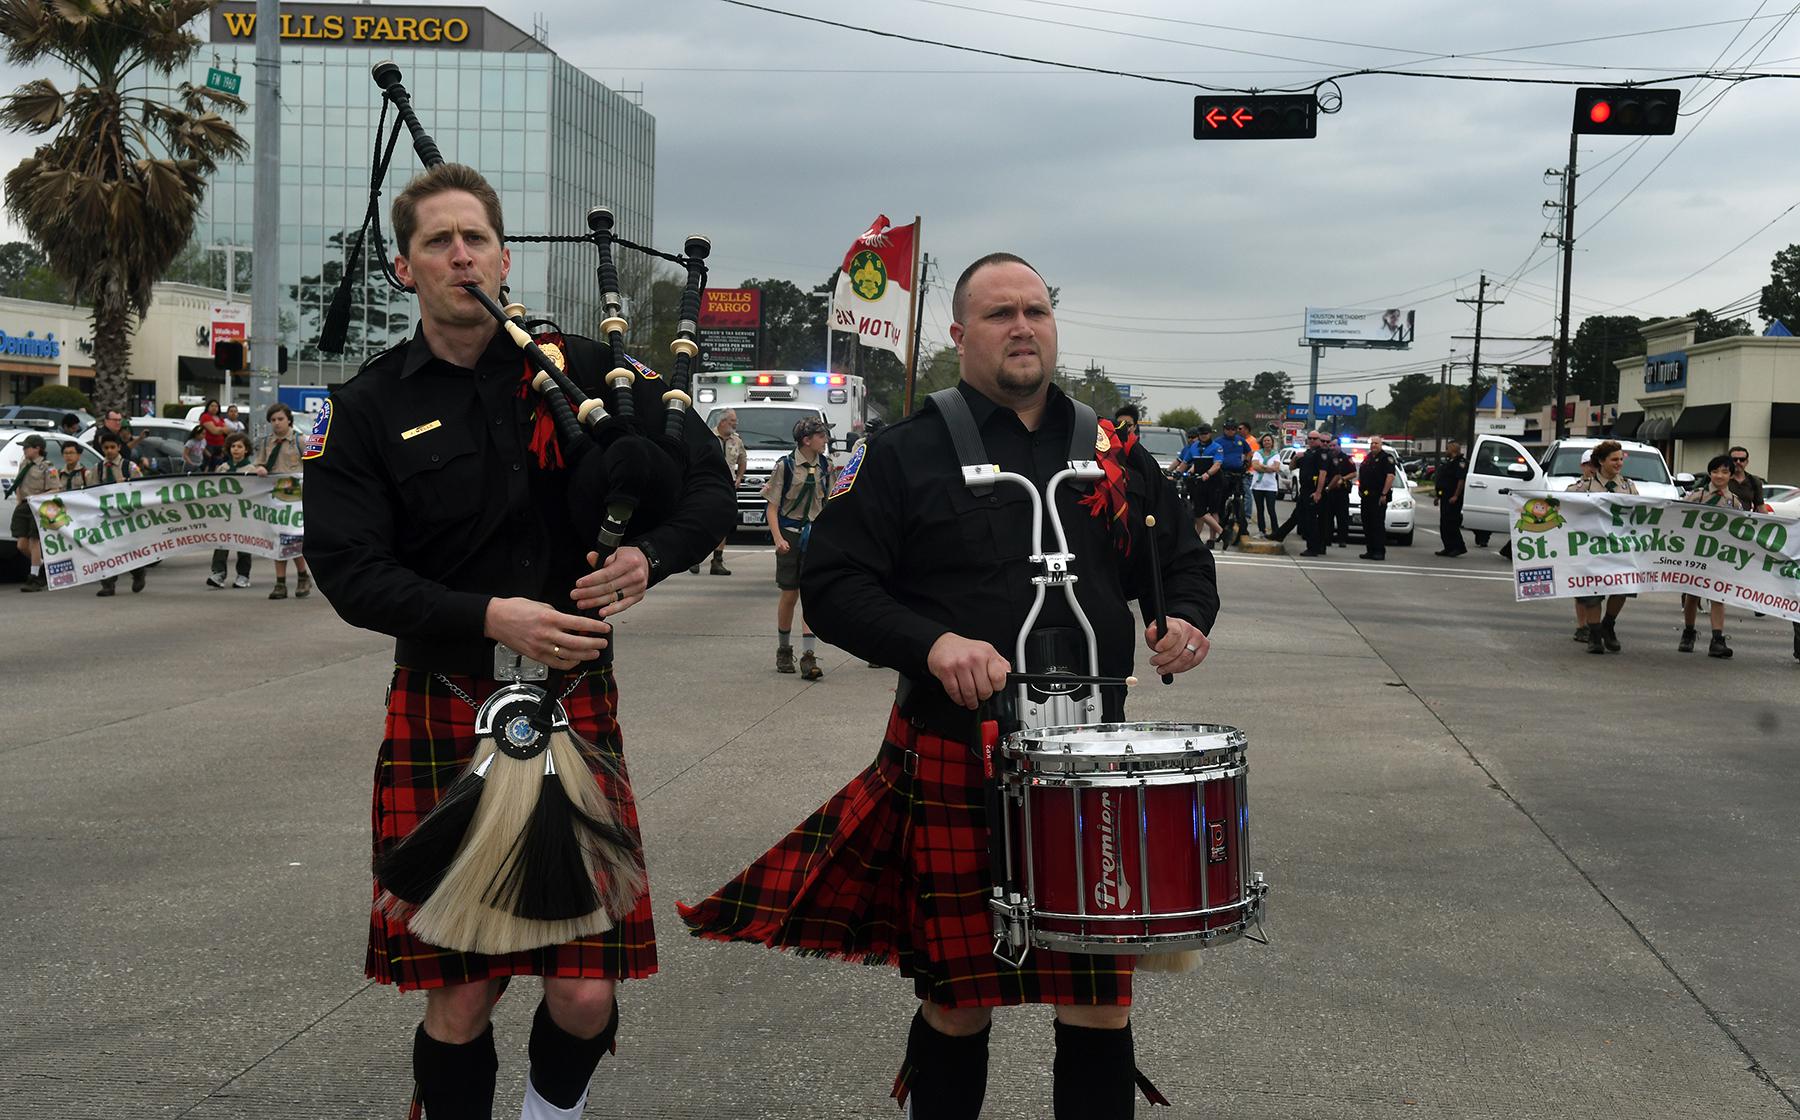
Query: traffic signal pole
265	263
1560	377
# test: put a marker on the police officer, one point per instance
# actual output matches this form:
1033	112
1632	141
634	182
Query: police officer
1338	492
1451	474
436	513
1196	462
1314	477
1229	452
910	566
1375	479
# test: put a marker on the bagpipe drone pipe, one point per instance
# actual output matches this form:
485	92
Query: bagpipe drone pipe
528	847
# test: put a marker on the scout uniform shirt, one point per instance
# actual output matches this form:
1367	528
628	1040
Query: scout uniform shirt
804	488
280	456
36	477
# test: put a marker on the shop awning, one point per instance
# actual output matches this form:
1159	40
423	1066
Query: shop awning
1626	426
1784	421
1654	429
1704	421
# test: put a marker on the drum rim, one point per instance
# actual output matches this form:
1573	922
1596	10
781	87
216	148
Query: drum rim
1216	736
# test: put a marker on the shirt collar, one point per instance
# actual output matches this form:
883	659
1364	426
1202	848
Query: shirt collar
983	409
419	355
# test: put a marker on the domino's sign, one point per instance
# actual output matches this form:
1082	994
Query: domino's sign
1334	404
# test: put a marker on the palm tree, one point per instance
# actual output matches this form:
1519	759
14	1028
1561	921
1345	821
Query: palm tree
112	196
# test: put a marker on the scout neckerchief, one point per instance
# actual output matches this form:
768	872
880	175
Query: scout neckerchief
238	466
69	477
803	499
116	471
275	443
19	479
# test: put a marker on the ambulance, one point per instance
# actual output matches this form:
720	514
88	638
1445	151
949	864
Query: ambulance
768	404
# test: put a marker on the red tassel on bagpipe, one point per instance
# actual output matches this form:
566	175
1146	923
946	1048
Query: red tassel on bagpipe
543	426
1108	501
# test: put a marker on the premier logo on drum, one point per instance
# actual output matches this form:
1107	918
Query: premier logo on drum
1110	891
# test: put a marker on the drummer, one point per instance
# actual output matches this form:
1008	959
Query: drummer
910	568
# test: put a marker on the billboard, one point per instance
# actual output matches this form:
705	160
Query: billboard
730	326
1391	328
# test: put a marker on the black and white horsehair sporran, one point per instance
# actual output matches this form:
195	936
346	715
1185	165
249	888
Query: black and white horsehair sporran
527	848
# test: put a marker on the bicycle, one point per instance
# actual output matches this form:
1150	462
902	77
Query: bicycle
1232	521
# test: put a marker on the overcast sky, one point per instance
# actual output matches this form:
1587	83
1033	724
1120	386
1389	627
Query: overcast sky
1182	263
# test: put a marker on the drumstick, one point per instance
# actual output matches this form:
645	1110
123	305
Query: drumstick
1156	595
1049	680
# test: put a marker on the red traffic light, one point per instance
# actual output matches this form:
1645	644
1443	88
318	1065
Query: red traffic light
1625	111
1256	117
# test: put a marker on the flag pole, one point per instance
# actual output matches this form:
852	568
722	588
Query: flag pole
913	308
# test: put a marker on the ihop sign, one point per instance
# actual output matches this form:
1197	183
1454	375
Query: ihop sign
29	345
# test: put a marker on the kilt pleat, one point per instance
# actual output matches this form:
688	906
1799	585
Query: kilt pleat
893	869
429	740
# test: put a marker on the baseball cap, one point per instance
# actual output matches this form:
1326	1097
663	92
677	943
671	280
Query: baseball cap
809	426
1588	455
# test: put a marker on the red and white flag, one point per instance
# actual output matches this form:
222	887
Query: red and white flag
874	287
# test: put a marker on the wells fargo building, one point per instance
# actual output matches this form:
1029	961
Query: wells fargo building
551	139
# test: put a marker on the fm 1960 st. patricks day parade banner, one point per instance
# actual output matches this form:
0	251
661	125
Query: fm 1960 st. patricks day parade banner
1613	544
91	534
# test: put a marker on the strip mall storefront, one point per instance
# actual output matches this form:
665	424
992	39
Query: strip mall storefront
1699	399
171	350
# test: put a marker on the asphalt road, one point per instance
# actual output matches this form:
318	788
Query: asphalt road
1509	878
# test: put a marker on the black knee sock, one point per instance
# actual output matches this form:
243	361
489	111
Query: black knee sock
561	1064
945	1075
456	1082
1096	1076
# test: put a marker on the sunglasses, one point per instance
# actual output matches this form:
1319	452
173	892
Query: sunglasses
1740	458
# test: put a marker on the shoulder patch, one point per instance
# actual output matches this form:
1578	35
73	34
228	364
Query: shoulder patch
847	478
312	445
643	370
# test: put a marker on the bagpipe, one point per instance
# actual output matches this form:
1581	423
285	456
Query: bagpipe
527	848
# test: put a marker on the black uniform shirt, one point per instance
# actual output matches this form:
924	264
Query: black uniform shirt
1372	476
426	500
1449	473
905	553
1313	462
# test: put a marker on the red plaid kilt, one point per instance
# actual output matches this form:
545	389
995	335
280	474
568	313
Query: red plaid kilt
430	738
894	870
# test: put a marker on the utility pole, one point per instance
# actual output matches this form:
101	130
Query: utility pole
1443	405
1482	303
1560	376
265	260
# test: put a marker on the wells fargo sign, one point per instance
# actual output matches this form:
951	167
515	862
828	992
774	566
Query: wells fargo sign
351	24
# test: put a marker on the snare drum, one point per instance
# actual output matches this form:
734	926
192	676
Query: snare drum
1124	838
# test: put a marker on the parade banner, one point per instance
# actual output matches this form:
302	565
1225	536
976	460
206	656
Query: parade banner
1569	544
874	288
104	531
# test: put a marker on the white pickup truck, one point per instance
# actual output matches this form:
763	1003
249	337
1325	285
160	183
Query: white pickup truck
1498	466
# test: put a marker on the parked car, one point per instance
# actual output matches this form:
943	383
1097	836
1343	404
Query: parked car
1774	492
12	457
1164	444
1284	482
39	417
1498	466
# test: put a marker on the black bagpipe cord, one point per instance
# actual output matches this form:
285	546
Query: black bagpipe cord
336	327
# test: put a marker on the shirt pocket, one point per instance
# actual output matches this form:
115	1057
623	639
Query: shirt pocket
439	477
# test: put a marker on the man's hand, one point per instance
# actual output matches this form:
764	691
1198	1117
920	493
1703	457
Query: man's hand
970	670
543	633
1182	648
617	586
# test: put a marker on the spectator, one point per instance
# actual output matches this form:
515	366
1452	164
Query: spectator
1747	487
212	427
280	454
71	424
232	421
1450	476
796	490
1265	484
1197	462
736	462
1720	492
1247	485
193	452
35	477
1375	481
1609	460
112	420
238	460
1126	418
113	468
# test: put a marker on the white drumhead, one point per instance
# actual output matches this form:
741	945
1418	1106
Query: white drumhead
1179	745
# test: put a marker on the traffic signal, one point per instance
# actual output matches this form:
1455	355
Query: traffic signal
229	355
1625	111
1275	116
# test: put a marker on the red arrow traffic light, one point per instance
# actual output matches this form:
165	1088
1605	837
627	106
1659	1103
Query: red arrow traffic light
1285	116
